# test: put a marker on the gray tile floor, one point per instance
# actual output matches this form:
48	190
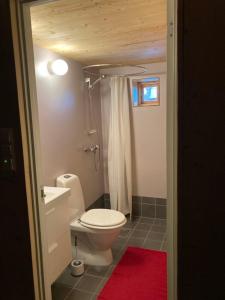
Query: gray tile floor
140	232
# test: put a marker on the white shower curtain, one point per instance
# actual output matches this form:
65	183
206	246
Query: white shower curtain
119	147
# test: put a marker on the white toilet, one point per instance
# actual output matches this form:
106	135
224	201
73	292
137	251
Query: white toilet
95	229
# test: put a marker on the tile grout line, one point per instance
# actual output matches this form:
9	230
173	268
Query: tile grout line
90	275
75	284
148	233
70	292
163	240
161	245
98	286
83	291
127	239
153	231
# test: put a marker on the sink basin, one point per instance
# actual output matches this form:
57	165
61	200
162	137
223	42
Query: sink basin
55	193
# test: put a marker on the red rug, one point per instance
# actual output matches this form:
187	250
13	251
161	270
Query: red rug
140	275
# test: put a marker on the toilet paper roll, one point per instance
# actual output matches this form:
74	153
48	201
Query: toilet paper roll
77	267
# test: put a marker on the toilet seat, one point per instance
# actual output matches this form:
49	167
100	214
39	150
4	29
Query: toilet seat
102	218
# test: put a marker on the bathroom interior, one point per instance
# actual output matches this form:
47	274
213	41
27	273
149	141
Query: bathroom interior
100	69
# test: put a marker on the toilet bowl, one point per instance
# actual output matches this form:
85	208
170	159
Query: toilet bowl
96	236
94	231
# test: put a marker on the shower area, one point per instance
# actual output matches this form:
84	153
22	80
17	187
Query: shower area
133	169
117	129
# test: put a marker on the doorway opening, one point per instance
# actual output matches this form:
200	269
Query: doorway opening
72	55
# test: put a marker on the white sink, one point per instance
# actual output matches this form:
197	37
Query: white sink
55	193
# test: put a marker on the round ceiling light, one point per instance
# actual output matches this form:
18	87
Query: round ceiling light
58	67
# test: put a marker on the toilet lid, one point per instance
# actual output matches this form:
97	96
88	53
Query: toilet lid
102	217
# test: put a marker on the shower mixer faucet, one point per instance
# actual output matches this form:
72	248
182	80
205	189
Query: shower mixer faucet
95	149
91	148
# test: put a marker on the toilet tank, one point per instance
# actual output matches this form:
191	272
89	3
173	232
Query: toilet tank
76	199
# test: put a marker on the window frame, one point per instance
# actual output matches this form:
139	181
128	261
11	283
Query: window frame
141	86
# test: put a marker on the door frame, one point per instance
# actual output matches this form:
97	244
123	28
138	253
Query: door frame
22	41
172	148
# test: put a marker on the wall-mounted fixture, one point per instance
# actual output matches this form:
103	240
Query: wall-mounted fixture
58	67
91	148
91	85
95	149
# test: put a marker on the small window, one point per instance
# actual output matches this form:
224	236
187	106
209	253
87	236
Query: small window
146	91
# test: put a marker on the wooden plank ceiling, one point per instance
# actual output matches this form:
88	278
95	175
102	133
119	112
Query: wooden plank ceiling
102	31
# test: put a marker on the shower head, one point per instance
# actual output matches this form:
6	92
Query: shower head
91	85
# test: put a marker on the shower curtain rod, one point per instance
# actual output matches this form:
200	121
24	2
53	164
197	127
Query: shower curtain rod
143	70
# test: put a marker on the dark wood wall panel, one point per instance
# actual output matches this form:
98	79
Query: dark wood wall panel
15	254
201	188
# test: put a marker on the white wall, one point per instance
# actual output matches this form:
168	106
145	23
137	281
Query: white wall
149	138
63	118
